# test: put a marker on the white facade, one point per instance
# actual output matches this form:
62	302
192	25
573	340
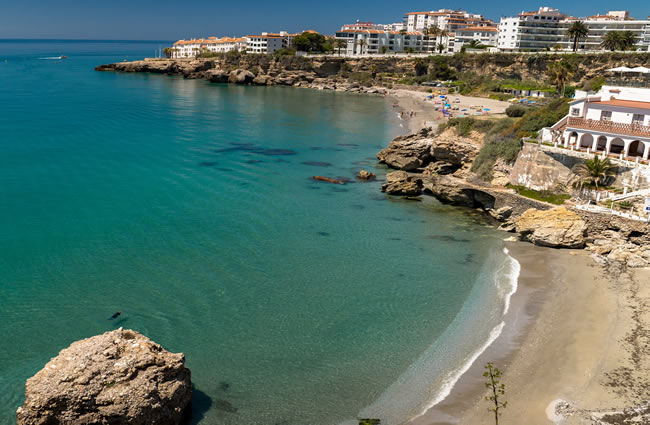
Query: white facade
450	21
546	29
268	43
376	41
616	120
487	36
191	48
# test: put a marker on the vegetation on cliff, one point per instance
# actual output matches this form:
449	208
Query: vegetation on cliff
503	136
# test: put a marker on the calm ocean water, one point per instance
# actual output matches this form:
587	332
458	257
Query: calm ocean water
190	206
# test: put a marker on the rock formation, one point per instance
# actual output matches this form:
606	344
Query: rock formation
401	183
365	175
120	377
241	76
556	228
408	152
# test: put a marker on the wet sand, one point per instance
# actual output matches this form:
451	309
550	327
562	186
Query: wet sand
571	334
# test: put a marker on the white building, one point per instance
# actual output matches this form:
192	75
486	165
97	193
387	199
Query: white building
191	48
539	30
358	25
450	21
546	29
486	36
376	41
269	43
616	120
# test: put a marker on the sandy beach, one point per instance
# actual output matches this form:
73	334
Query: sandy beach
425	114
574	333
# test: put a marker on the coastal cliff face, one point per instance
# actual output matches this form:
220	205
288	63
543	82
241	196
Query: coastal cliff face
379	71
118	377
439	164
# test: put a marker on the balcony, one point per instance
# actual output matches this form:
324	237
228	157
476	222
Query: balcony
635	130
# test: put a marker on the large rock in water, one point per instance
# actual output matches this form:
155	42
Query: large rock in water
408	152
241	76
120	377
556	228
400	183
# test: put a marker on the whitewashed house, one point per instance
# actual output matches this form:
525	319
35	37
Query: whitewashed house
190	48
616	120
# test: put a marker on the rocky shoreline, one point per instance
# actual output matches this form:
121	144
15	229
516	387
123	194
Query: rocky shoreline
325	75
440	165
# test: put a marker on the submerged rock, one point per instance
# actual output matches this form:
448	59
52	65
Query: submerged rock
120	377
556	228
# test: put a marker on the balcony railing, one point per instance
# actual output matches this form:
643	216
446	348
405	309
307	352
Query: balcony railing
637	130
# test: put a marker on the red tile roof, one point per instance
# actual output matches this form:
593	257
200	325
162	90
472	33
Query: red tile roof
624	103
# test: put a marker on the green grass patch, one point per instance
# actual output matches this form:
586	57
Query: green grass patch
544	196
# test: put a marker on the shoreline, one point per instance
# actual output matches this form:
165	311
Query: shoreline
554	347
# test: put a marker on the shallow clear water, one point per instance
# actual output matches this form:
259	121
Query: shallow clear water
190	206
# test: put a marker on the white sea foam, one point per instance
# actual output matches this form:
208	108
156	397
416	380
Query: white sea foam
416	378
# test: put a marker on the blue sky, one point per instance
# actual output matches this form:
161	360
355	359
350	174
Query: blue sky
174	19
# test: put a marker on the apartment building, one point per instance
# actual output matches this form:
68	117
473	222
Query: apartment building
190	48
358	25
486	36
377	41
546	29
269	43
451	21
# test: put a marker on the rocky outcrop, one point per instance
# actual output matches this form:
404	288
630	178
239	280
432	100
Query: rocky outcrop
366	175
408	152
120	377
241	76
556	228
216	76
401	183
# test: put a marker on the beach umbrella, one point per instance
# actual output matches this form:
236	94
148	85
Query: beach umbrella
463	110
641	69
620	69
486	109
442	97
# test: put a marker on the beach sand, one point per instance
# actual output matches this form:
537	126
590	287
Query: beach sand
427	116
574	332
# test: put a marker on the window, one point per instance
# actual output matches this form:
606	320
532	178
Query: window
606	115
575	112
638	119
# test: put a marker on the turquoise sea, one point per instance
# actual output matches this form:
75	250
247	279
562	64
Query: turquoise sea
190	207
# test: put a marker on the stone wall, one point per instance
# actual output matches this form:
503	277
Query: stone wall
542	168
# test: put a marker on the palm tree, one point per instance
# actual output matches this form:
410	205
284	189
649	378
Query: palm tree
441	47
340	44
362	43
474	44
443	34
618	40
627	40
595	171
577	31
560	73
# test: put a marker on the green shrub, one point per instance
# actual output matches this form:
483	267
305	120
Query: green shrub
544	195
516	111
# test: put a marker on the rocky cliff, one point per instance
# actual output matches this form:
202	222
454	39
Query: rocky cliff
381	71
120	377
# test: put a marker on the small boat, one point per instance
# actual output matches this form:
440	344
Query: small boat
63	57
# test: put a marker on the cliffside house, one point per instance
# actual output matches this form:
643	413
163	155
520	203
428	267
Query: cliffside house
614	121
